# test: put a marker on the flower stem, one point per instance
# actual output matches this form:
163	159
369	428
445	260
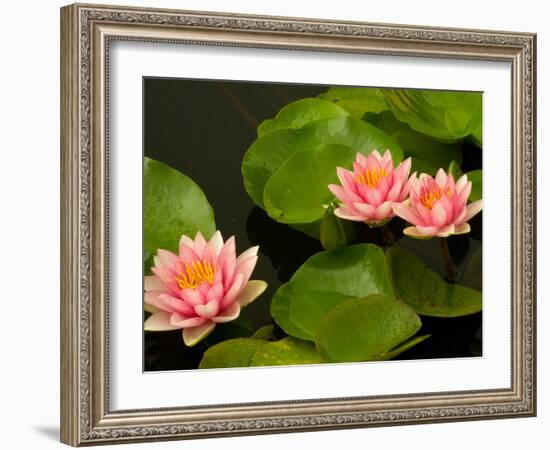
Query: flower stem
449	266
387	235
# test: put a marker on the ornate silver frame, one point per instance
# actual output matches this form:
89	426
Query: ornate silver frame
86	31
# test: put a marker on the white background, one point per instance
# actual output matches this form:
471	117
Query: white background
29	186
132	389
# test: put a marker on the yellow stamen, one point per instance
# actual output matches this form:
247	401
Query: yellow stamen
195	274
430	198
371	177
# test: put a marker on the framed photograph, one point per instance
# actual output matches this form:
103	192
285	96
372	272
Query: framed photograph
276	224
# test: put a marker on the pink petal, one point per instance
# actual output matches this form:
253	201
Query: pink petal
233	291
186	240
405	191
424	177
152	283
361	159
439	216
174	304
401	172
208	310
446	231
367	211
441	178
462	229
216	242
152	298
384	186
472	209
460	216
181	321
166	302
341	212
215	292
414	185
465	192
252	251
188	255
357	168
168	277
384	211
387	161
450	185
376	154
394	193
245	267
227	260
448	207
192	296
345	177
159	321
461	182
252	290
166	258
192	336
373	196
344	195
200	244
229	313
424	213
374	159
409	214
203	288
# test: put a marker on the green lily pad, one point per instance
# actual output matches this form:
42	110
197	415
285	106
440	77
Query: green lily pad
425	291
269	152
232	353
307	308
428	154
264	332
297	193
335	232
280	311
455	170
299	113
248	352
356	100
286	352
325	280
473	272
404	346
476	177
363	329
445	115
173	205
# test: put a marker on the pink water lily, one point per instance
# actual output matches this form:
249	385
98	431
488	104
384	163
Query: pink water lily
438	207
368	193
205	284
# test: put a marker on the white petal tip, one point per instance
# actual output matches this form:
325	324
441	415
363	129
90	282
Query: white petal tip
414	233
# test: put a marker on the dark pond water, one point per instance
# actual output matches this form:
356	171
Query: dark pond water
203	129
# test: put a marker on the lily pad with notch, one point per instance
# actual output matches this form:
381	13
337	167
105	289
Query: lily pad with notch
173	204
366	329
250	352
268	153
325	280
425	291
